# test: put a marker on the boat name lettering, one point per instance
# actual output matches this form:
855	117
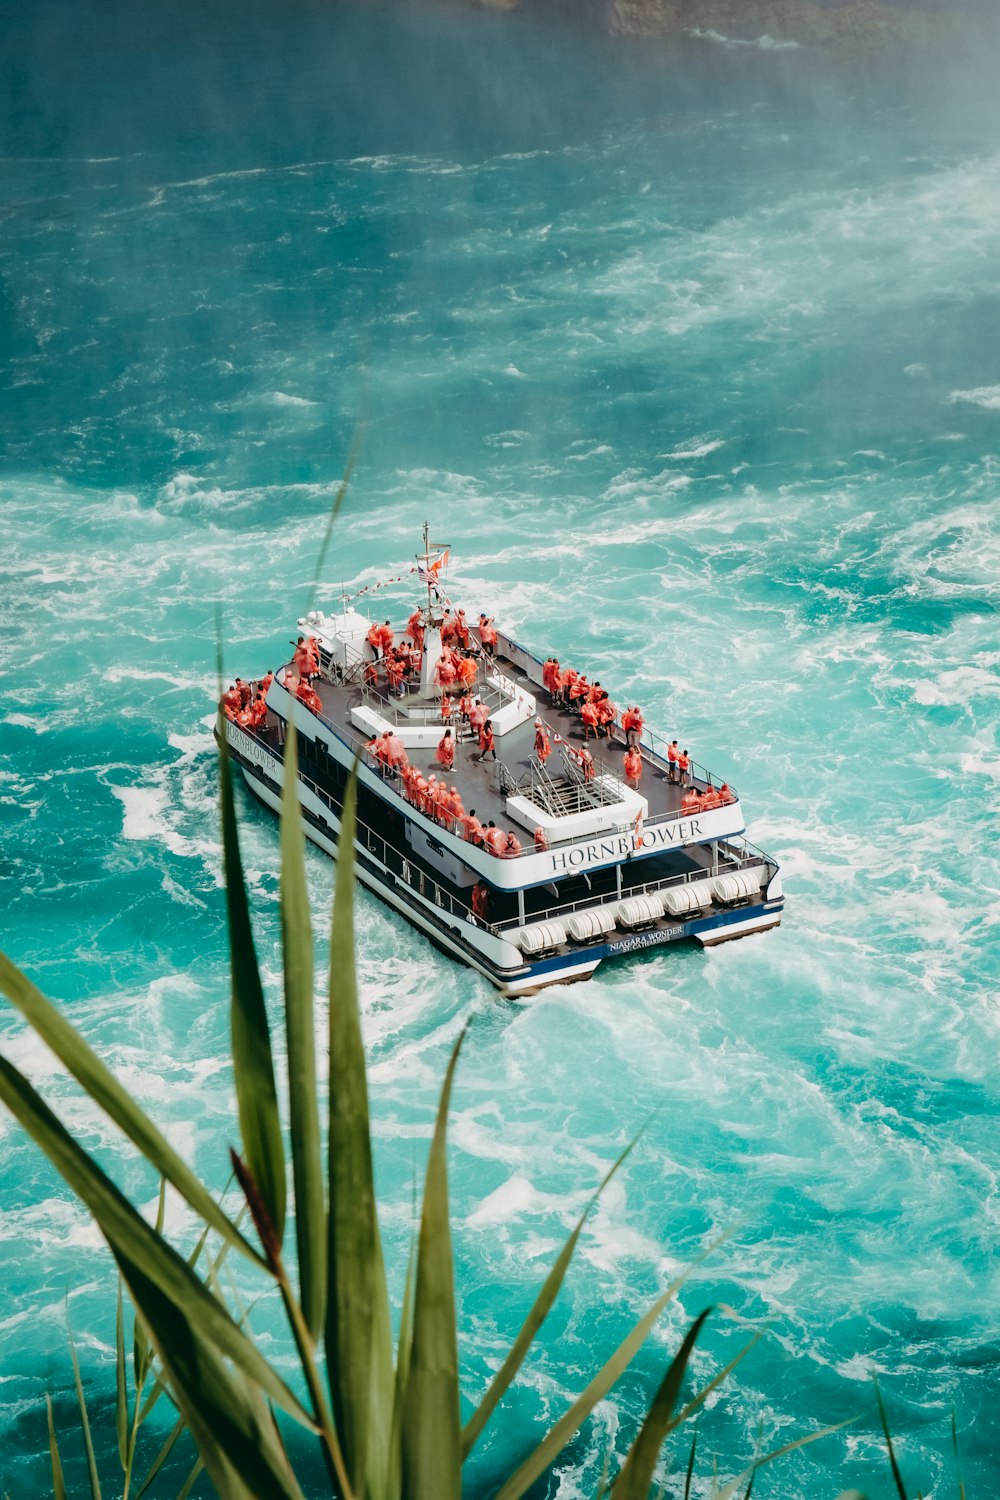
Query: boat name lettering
645	940
666	835
247	747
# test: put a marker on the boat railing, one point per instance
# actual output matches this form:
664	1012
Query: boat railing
670	882
359	745
653	746
417	879
409	872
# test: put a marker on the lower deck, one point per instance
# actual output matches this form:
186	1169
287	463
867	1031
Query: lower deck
493	942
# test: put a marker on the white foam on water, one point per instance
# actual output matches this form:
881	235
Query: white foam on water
695	449
282	398
985	396
959	686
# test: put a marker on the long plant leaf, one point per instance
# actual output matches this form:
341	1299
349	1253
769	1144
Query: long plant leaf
729	1491
219	1404
179	1427
191	1480
689	1472
253	1063
897	1476
105	1090
128	1234
533	1322
432	1447
121	1386
358	1341
958	1468
58	1482
636	1476
338	500
559	1435
394	1477
95	1483
307	1161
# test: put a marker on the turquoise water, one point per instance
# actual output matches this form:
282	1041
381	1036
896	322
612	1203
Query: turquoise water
692	356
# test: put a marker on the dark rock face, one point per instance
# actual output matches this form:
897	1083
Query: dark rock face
802	21
848	27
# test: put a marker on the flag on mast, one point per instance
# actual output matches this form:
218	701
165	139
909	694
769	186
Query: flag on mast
430	571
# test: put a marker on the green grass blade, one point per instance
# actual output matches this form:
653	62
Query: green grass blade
803	1442
128	1233
190	1481
338	501
95	1483
58	1483
897	1476
121	1386
105	1090
253	1064
358	1343
689	1472
169	1444
532	1323
394	1475
569	1423
636	1477
432	1449
307	1160
222	1409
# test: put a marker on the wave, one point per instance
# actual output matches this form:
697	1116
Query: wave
763	43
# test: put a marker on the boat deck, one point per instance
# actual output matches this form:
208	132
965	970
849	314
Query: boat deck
485	785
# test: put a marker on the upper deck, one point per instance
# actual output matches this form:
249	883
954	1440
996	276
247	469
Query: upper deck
589	823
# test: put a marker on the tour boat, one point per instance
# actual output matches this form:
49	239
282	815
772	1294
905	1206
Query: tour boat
603	861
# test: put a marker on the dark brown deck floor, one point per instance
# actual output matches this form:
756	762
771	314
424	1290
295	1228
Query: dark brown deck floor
478	781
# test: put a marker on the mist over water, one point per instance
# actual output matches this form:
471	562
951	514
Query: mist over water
691	352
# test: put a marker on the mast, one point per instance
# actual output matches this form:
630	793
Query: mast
427	566
433	619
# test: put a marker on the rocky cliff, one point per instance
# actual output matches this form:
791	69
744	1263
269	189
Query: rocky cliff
837	26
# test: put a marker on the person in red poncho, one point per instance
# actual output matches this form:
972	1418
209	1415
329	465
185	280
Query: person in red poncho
480	901
632	723
309	697
468	671
633	766
470	827
487	634
496	840
445	752
588	718
415	630
543	745
444	673
487	741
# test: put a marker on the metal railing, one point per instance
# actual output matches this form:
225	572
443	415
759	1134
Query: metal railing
520	656
418	880
688	877
358	744
512	651
410	873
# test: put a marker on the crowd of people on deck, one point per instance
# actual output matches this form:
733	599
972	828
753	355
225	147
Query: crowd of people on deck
569	689
432	795
246	706
461	709
457	668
